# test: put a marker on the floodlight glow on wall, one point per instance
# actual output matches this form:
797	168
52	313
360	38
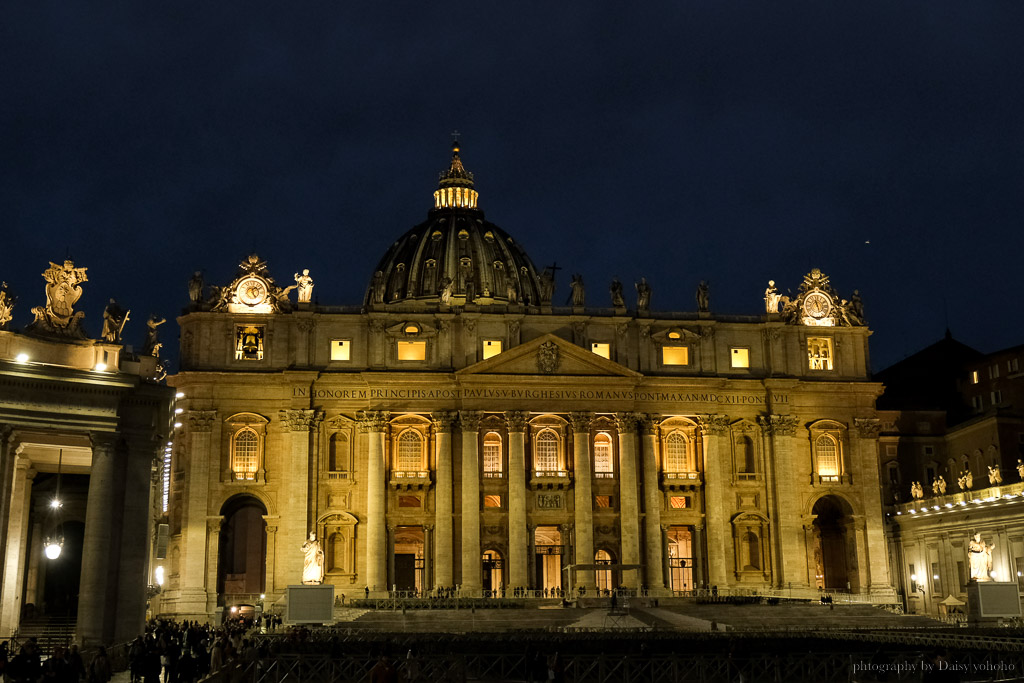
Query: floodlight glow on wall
21	358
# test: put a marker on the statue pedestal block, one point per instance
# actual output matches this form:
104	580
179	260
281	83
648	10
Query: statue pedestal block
990	601
310	604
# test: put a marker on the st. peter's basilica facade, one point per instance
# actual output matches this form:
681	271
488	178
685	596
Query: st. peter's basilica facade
457	430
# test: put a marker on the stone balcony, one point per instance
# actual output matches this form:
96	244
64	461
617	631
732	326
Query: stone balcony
681	481
1000	494
409	480
550	480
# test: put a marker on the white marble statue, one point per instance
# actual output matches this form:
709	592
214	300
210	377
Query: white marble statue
1020	469
772	298
980	554
313	562
305	285
994	475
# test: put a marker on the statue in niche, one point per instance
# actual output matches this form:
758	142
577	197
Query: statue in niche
377	288
939	486
703	298
447	285
579	293
547	285
195	288
6	306
63	290
151	345
980	555
772	298
994	475
616	291
1020	469
305	285
313	561
643	295
114	319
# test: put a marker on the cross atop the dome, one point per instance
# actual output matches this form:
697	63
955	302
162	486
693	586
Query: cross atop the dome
455	136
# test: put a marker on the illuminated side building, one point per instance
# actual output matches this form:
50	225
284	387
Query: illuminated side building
456	429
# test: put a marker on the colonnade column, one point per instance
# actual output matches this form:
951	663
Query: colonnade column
471	556
654	575
443	572
374	423
296	526
130	619
517	541
716	479
629	504
583	498
96	601
865	448
17	537
786	519
192	569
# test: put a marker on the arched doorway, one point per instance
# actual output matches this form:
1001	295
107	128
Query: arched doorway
548	558
835	557
680	558
492	574
242	559
409	558
605	581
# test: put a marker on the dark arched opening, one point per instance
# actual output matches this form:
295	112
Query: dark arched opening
242	559
835	549
63	575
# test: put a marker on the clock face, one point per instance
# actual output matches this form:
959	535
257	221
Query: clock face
817	305
251	291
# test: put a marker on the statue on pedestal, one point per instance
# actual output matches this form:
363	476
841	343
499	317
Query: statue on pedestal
980	555
6	306
447	285
313	561
114	319
377	288
512	290
547	285
772	298
643	295
305	285
857	308
994	476
616	291
63	290
703	298
195	288
1020	469
916	490
939	486
151	346
579	294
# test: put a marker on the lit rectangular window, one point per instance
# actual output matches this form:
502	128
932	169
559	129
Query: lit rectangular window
740	357
601	349
678	502
819	353
492	347
249	342
412	350
974	377
492	501
341	349
675	355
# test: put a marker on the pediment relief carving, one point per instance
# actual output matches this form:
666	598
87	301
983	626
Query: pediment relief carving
338	517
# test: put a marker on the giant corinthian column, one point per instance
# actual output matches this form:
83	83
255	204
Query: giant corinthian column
443	572
583	498
628	496
471	562
374	423
518	542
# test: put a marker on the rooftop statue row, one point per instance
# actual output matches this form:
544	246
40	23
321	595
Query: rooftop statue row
57	318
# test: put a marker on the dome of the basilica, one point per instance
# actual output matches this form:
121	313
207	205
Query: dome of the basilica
455	256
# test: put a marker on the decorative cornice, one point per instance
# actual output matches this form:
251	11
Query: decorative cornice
442	421
470	420
867	427
516	420
625	423
580	421
301	420
201	420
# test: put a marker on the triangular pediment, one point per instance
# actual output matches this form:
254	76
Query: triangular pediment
549	355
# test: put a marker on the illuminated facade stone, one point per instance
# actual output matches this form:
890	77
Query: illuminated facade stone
459	430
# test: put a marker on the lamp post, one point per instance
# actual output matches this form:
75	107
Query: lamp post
53	545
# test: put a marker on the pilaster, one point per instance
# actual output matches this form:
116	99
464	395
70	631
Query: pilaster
865	447
202	462
786	521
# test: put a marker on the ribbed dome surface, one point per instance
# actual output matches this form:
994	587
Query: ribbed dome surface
455	257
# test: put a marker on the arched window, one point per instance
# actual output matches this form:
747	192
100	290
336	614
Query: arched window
492	455
410	451
826	454
752	546
745	455
546	455
603	455
676	456
245	454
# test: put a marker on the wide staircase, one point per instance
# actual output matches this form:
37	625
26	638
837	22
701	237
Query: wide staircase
49	632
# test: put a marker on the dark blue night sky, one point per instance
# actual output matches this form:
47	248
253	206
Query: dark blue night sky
729	142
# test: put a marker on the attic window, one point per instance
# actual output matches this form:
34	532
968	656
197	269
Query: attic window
674	335
436	235
431	263
463	234
412	328
489	236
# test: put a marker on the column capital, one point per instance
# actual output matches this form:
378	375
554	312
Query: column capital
580	421
714	424
470	420
214	523
103	441
271	528
646	423
665	528
442	421
516	420
867	427
201	420
373	420
778	425
428	527
625	423
391	528
301	420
